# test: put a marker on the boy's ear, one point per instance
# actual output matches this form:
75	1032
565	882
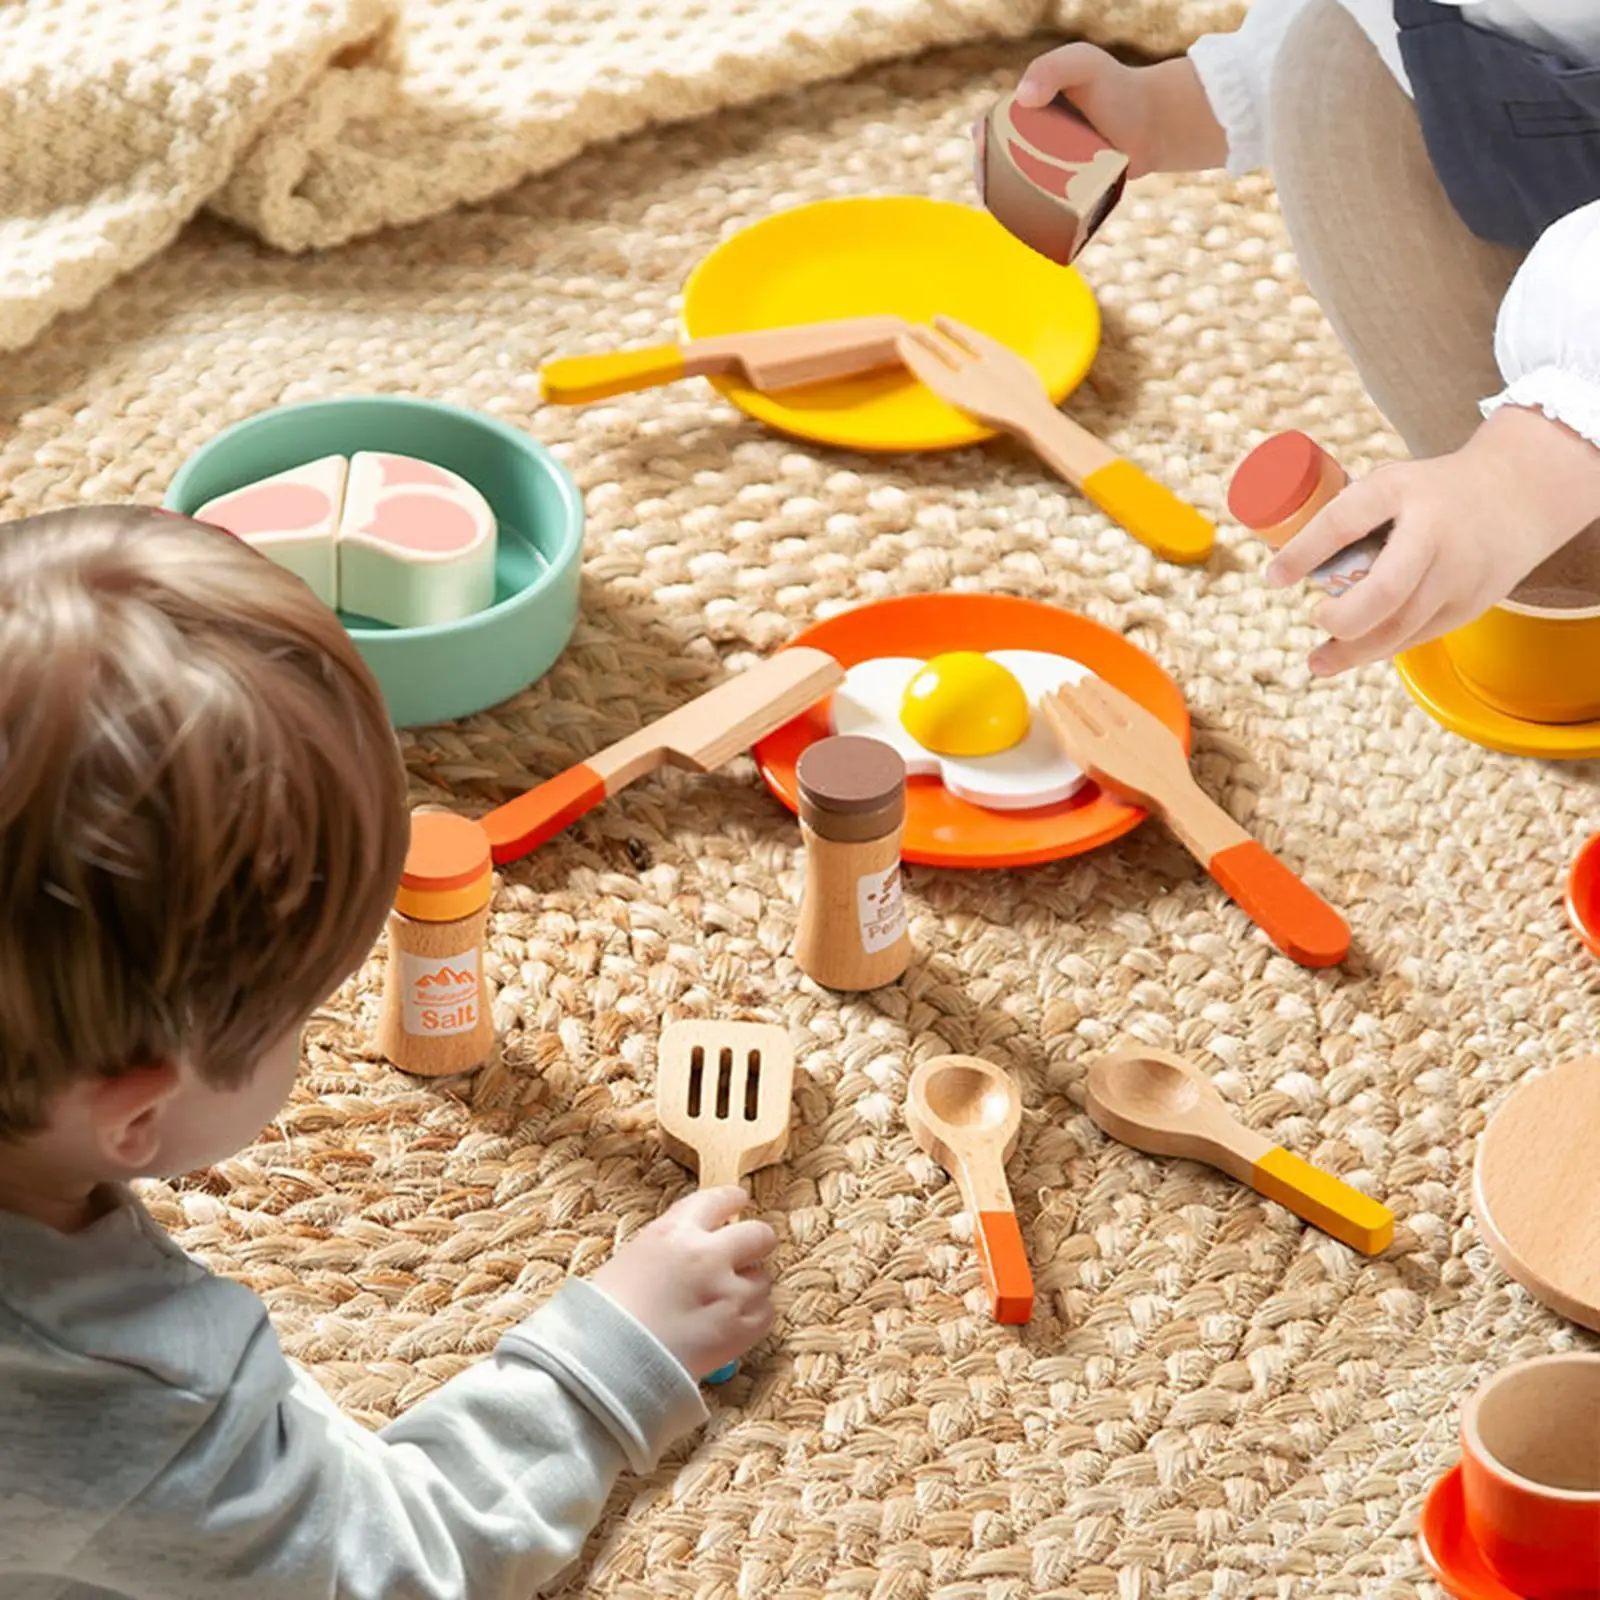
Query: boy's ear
127	1113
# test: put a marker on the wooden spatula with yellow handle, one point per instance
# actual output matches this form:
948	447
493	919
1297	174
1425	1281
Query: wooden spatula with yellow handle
766	358
982	377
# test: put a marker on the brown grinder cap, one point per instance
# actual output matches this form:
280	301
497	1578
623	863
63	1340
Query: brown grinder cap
851	788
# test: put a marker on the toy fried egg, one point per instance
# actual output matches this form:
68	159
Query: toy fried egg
970	719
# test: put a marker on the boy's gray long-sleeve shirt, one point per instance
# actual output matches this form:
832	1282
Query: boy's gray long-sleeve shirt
155	1443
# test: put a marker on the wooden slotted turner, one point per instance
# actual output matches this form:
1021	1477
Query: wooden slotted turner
1129	751
723	1092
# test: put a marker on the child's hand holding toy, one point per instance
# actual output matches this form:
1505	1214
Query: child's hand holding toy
700	1287
1468	528
1158	117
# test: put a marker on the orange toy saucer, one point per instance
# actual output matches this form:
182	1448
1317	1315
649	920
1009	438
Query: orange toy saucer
1449	1550
942	831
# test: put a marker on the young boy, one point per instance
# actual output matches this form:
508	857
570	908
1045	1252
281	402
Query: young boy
202	822
1439	169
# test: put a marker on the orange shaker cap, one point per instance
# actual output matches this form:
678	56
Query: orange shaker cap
446	852
1275	480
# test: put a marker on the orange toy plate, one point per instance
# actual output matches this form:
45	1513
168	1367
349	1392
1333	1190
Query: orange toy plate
1583	895
1449	1550
942	831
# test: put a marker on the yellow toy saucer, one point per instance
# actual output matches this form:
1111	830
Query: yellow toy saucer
900	255
1432	681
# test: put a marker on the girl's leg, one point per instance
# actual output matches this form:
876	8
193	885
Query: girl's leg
1411	293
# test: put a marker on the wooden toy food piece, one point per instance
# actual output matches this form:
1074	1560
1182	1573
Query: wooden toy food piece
1166	1106
1281	485
1048	177
700	736
852	932
1536	1189
416	543
292	518
436	1017
769	358
967	1114
382	536
1131	753
981	376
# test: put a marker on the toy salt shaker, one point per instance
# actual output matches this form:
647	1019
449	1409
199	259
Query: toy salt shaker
853	932
436	1017
1281	485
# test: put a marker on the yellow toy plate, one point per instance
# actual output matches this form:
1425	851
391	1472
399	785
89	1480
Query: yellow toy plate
904	256
1432	681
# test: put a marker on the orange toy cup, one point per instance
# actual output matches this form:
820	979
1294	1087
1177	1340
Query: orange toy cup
1530	1474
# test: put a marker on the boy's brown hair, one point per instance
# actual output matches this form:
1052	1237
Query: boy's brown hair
202	805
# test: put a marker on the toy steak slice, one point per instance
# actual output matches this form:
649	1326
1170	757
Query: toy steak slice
1048	177
382	536
292	518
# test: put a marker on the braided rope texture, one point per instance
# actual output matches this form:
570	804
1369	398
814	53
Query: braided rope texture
311	122
1212	1400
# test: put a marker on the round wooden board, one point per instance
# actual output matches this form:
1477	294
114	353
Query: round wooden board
1536	1189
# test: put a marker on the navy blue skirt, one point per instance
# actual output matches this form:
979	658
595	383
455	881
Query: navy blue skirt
1512	130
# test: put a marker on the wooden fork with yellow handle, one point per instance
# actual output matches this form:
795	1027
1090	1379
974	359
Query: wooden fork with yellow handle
1132	753
980	376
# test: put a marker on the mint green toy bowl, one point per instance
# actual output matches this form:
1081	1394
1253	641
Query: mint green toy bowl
453	669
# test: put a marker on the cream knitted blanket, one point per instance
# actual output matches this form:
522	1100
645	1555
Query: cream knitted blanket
313	121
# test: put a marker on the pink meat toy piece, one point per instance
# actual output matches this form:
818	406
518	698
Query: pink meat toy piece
292	518
1048	176
417	543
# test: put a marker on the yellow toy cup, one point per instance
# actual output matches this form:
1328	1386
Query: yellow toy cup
1537	662
1536	656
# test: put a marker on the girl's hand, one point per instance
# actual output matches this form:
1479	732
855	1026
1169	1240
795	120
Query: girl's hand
700	1287
1158	117
1468	528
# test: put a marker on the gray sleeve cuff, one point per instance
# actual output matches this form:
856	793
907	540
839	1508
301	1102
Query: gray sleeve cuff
630	1380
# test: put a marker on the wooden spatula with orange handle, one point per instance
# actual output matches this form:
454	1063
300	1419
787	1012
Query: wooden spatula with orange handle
1127	750
700	736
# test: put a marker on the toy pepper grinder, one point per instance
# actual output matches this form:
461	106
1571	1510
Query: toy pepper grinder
436	1018
1281	485
853	932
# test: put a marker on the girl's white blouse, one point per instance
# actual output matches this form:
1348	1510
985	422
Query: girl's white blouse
1548	337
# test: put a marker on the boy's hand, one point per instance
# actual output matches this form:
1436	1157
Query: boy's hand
701	1288
1158	117
1468	528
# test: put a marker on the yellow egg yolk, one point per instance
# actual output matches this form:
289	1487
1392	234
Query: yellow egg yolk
964	704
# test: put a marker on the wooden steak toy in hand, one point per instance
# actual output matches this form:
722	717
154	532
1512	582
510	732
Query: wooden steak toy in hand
1048	177
382	536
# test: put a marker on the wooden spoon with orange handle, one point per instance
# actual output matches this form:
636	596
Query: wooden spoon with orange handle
967	1113
700	736
1130	752
1162	1104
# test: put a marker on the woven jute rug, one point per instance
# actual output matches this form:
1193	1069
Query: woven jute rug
1212	1400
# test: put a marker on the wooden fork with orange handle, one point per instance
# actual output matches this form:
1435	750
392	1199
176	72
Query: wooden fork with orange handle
1132	753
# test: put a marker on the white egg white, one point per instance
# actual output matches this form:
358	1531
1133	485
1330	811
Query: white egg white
1034	772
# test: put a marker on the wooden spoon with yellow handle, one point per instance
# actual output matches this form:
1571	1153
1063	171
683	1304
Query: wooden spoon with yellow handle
1159	1103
